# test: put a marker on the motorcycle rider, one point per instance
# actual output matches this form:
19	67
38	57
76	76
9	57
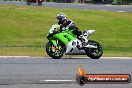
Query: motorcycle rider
69	24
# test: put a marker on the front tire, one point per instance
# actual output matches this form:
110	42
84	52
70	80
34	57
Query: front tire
92	52
56	54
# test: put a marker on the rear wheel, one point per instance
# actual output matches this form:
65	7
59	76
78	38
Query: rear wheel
94	53
55	52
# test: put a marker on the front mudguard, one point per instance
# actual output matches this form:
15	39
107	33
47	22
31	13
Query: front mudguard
52	39
51	35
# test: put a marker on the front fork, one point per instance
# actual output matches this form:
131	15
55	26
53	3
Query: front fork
55	47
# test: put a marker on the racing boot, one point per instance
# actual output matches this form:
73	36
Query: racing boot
83	39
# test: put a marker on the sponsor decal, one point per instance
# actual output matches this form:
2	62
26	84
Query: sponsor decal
82	78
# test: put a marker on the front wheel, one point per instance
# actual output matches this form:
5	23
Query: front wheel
55	52
94	53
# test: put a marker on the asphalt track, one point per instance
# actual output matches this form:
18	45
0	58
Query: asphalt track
34	72
23	72
116	8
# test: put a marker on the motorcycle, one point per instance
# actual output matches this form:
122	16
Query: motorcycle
66	42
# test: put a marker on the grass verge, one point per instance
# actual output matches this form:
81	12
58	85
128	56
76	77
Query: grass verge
24	27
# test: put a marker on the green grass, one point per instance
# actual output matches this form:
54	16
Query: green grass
23	29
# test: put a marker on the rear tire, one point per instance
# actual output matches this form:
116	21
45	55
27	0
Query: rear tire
94	53
55	55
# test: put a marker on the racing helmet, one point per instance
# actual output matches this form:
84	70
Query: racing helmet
61	18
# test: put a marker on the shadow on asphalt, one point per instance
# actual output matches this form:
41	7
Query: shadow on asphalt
71	58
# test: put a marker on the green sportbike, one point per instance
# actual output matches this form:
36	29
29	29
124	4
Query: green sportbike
66	42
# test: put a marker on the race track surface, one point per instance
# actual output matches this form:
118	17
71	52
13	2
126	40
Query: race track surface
59	73
117	8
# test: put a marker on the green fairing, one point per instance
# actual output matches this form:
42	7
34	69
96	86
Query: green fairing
54	42
65	37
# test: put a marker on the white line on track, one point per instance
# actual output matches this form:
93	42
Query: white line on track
65	57
108	5
58	80
104	10
116	57
121	11
85	9
14	56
